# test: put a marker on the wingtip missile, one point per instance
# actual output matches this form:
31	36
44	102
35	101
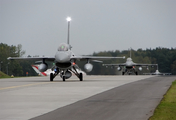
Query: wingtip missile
8	58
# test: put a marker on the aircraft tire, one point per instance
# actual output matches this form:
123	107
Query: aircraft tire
51	76
136	73
123	73
81	77
63	78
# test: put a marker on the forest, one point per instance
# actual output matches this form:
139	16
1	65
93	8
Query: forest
164	57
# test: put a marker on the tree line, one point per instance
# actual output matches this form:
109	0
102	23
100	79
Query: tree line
14	67
164	57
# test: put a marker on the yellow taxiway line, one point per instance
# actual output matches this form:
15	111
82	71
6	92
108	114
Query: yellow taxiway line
23	85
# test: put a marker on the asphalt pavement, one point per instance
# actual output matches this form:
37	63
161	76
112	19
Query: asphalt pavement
95	98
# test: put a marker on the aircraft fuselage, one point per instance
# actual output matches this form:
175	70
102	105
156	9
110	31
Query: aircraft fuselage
62	57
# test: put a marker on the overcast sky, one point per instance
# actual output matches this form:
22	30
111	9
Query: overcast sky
97	25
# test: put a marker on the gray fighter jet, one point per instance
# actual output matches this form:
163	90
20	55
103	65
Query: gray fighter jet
129	66
157	72
65	61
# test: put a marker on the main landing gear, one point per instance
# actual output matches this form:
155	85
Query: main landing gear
136	73
81	77
53	75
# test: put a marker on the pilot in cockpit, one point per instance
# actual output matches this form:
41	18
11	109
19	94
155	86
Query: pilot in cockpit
129	59
63	47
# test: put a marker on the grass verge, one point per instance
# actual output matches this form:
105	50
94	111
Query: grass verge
3	75
166	110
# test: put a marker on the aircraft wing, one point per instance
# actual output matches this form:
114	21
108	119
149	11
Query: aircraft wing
164	74
94	58
32	58
157	73
124	64
148	73
167	73
115	65
138	64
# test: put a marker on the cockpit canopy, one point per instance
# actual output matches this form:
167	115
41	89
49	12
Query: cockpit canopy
63	47
129	59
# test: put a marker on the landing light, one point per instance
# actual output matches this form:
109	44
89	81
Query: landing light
68	19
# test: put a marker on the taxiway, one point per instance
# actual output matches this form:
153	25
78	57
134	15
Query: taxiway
97	97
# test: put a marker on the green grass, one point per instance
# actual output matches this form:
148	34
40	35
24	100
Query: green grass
166	110
3	75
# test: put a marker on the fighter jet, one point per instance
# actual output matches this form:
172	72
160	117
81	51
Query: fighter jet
129	66
157	72
65	61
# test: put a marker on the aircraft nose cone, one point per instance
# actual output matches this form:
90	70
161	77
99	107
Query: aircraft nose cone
62	57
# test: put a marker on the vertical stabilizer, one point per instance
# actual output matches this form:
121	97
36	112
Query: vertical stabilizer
68	41
130	51
68	36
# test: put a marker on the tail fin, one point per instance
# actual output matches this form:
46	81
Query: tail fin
35	67
68	20
130	51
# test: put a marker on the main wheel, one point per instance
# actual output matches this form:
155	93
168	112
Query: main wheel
136	73
51	76
81	77
123	73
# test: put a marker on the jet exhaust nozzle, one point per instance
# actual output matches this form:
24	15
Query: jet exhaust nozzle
88	67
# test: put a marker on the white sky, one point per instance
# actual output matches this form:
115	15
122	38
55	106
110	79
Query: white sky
97	25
